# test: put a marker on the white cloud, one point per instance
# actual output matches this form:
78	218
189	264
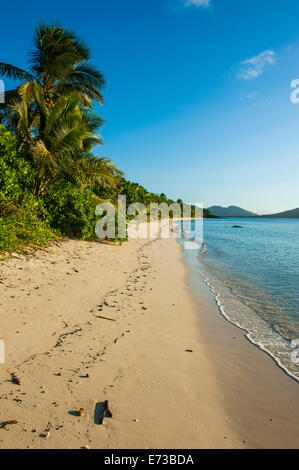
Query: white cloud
249	96
256	66
198	3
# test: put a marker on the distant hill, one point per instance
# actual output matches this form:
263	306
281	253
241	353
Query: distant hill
293	214
232	211
235	211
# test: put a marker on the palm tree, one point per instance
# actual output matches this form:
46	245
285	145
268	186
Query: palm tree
58	67
51	113
58	140
59	63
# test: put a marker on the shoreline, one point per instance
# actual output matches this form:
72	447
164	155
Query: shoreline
261	398
262	348
259	331
55	310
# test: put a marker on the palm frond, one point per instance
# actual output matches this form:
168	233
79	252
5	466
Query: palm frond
11	71
56	50
90	141
88	170
86	73
93	120
19	118
30	92
9	96
83	91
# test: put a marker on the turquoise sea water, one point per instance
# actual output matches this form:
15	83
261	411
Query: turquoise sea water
253	273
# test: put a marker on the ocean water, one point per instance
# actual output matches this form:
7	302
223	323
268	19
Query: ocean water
253	273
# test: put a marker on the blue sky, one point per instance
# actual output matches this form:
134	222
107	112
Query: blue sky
198	97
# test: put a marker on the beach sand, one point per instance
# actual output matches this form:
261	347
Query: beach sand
224	394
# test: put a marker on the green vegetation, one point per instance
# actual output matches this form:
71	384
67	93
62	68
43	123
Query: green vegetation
51	179
24	225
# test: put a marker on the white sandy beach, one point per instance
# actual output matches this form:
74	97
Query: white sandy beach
224	394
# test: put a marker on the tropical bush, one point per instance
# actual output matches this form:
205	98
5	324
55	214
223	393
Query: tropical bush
71	210
16	174
23	225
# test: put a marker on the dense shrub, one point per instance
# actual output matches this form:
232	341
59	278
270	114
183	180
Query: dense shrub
71	210
22	216
22	225
27	219
16	174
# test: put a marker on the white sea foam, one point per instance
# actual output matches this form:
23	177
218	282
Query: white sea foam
258	331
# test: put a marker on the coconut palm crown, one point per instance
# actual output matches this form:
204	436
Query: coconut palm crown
59	63
51	111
